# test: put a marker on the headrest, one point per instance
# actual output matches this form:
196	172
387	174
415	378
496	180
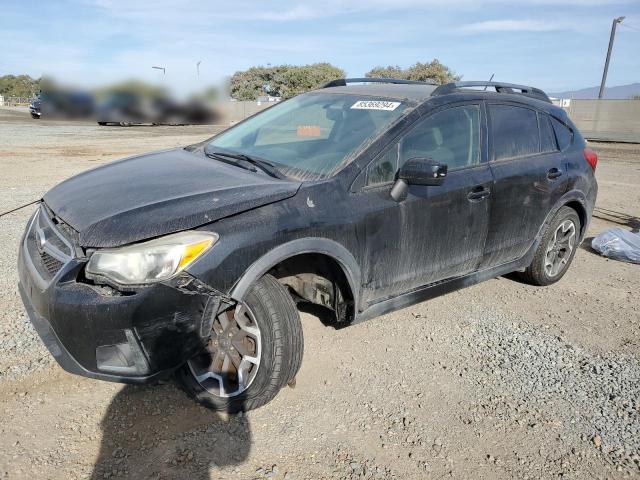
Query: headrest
437	136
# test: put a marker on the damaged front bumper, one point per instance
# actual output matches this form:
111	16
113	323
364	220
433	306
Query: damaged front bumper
133	336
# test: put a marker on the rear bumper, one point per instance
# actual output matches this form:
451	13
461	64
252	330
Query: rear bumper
136	336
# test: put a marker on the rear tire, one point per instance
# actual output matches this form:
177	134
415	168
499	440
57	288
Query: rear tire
279	332
556	249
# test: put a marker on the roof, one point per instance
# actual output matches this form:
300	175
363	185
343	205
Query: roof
400	92
421	91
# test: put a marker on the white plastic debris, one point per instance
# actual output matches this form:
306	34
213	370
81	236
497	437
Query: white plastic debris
619	244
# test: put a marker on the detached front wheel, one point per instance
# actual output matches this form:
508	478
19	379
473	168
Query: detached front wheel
254	350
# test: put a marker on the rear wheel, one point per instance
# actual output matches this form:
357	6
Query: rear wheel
556	250
254	350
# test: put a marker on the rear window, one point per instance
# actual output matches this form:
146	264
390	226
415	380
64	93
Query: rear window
563	133
514	131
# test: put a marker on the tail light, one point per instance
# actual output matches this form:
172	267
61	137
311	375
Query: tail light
591	157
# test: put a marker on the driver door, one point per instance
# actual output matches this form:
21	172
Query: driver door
436	232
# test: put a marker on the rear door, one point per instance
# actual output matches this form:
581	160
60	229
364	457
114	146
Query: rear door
528	177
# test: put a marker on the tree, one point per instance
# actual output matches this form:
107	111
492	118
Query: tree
281	80
433	70
19	86
387	72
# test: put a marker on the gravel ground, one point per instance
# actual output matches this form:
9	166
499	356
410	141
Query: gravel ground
500	380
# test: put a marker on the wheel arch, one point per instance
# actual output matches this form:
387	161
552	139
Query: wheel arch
582	214
574	199
317	245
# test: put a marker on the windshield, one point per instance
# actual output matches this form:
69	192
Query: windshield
310	136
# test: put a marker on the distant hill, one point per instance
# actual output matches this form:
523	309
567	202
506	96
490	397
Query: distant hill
620	92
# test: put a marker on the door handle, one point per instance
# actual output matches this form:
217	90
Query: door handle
478	193
554	173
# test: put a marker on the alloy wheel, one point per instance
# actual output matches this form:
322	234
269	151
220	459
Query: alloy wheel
560	248
230	361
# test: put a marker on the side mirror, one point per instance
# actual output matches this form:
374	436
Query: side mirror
423	171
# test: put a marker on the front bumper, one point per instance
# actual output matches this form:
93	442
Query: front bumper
132	337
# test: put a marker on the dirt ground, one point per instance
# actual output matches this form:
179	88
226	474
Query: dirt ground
500	380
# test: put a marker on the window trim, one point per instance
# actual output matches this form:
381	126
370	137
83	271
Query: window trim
483	141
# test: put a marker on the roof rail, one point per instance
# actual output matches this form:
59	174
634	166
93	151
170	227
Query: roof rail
342	82
499	86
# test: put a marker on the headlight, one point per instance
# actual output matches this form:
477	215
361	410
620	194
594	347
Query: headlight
151	261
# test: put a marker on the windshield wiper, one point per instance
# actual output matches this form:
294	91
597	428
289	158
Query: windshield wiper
222	158
263	165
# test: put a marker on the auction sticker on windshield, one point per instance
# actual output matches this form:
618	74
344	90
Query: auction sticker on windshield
375	105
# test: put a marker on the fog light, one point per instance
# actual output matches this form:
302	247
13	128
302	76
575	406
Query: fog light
122	358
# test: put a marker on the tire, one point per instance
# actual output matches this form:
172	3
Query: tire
35	117
540	272
280	352
102	124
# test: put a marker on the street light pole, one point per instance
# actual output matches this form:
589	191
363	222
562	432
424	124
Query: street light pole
198	68
615	23
164	70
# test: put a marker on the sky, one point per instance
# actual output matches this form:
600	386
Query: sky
556	45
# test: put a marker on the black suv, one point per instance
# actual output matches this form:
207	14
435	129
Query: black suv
359	198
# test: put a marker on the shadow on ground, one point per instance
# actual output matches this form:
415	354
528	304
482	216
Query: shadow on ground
157	432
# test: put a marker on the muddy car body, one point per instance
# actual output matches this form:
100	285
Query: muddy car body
364	199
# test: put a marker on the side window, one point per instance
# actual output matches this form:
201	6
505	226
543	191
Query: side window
514	131
450	136
563	133
547	137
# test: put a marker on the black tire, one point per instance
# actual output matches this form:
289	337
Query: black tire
282	350
536	274
102	124
35	117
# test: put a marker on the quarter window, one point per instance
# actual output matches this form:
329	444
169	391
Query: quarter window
514	131
563	133
451	137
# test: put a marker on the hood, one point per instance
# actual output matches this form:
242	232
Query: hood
156	194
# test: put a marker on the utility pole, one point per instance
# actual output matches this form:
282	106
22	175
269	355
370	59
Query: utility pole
616	21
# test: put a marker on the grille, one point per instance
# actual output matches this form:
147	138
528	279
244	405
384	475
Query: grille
51	264
48	245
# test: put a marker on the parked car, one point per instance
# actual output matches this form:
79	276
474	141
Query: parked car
125	109
359	198
62	104
128	108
